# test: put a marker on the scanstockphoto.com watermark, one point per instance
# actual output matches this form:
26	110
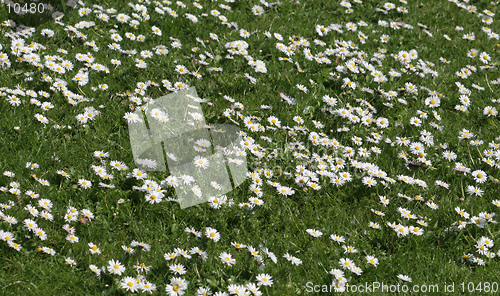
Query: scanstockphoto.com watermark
381	287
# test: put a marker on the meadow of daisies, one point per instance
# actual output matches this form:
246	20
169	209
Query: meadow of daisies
370	130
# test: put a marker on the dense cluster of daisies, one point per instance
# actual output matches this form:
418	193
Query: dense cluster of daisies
316	159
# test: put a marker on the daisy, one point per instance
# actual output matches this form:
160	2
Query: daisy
30	224
338	274
479	176
474	190
187	179
86	184
284	190
154	197
234	290
257	10
146	54
216	185
238	245
214	36
170	256
479	222
484	57
47	106
255	253
145	247
449	155
156	30
490	111
40	233
181	69
177	287
274	121
415	121
378	212
196	250
7	236
212	234
357	140
357	270
346	263
244	33
142	267
416	231
132	117
70	261
9	174
193	231
139	174
201	162
401	230
118	165
72	238
177	268
432	102
122	18
47	215
432	205
41	118
34	195
43	181
349	249
256	201
9	219
298	119
171	181
32	210
94	249
486	241
338	239
294	260
129	283
302	88
314	232
87	214
369	181
147	287
264	280
227	259
96	270
115	267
